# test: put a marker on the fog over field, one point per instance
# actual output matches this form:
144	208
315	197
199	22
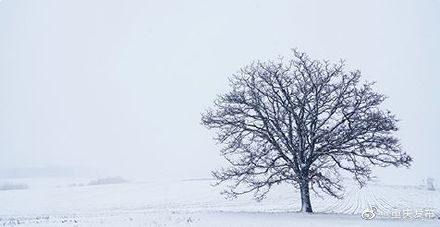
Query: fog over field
107	88
119	86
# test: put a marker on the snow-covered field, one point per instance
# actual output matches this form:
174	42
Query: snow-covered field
71	202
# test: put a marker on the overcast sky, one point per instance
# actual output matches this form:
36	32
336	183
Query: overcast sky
118	86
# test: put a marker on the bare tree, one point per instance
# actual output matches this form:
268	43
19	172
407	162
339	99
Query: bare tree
301	122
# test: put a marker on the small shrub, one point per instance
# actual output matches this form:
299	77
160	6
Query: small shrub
108	180
12	186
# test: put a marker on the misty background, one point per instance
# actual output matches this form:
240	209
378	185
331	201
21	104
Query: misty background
117	87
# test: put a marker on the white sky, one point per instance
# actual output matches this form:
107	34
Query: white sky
118	86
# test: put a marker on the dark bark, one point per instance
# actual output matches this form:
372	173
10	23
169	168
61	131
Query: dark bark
306	205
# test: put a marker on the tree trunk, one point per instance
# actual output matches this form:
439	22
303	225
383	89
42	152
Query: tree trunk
306	205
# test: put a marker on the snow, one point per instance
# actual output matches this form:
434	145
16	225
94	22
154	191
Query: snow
56	202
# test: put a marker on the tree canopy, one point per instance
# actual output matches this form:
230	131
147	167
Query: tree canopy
301	121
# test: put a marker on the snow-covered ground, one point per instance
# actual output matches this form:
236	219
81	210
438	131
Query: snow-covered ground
71	202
